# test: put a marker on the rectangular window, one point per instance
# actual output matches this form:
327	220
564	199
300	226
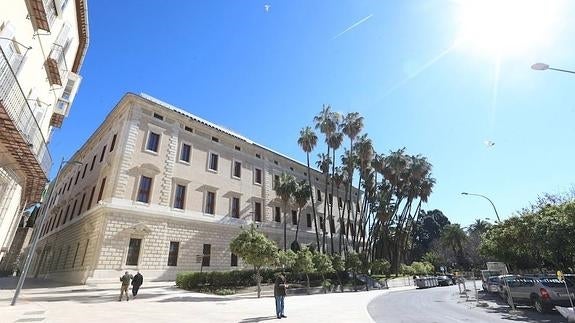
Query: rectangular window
75	255
173	254
85	169
277	214
258	211
102	186
66	214
211	203
234	260
215	139
73	209
180	197
77	177
144	189
133	252
59	216
103	153
318	195
153	142
113	144
188	129
81	203
237	169
308	218
236	207
158	116
294	217
213	163
238	148
206	255
70	183
93	162
185	153
258	176
91	198
85	251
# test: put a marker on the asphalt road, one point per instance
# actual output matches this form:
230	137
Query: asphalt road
445	305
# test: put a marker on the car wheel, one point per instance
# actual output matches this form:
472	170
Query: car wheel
539	305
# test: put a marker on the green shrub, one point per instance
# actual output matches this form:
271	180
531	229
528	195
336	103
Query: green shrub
380	267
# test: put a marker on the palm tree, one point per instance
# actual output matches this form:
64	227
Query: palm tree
285	187
453	236
351	126
307	141
479	227
301	196
334	141
326	122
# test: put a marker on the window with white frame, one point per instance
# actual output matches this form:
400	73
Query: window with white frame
257	175
237	171
179	196
153	141
210	203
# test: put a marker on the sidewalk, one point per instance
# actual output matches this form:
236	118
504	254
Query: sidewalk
163	302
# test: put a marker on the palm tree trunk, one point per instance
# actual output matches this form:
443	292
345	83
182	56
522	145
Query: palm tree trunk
297	227
325	196
331	205
285	229
312	201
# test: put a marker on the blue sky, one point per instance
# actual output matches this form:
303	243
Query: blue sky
266	74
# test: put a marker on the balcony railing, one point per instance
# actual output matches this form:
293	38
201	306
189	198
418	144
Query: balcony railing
42	13
20	132
55	65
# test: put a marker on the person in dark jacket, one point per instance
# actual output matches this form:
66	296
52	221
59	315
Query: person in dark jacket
125	284
136	283
279	294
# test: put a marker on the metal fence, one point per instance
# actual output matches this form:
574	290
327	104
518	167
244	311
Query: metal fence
16	105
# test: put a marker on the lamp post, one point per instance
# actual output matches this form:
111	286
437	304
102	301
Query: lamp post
544	67
38	228
485	197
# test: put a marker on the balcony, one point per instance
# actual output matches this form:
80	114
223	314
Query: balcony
63	103
55	65
20	135
42	13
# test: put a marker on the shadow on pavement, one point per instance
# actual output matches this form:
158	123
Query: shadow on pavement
195	299
258	319
524	313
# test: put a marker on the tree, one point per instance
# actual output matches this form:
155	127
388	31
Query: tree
307	141
286	259
301	196
427	229
256	250
322	263
353	264
339	267
304	264
380	267
453	237
285	187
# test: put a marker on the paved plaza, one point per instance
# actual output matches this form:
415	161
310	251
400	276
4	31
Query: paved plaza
42	301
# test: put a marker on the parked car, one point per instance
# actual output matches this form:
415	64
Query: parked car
541	293
492	285
501	290
452	277
444	280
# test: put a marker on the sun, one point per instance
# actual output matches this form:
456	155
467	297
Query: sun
506	27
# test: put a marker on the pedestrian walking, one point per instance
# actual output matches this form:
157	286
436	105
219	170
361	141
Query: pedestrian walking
136	283
280	294
125	284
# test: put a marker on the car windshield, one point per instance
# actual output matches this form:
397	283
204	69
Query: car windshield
493	279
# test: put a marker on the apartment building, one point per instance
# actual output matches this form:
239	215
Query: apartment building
42	46
161	190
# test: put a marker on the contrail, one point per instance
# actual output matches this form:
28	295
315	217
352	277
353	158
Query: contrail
353	26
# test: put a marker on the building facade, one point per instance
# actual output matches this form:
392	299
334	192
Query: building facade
163	191
42	46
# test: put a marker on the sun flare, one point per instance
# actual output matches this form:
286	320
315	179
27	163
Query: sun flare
506	27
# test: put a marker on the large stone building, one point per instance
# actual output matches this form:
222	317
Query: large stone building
161	190
42	46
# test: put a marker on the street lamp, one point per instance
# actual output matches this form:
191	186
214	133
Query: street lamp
485	197
544	67
37	229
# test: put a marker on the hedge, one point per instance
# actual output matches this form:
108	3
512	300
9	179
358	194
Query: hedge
244	278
